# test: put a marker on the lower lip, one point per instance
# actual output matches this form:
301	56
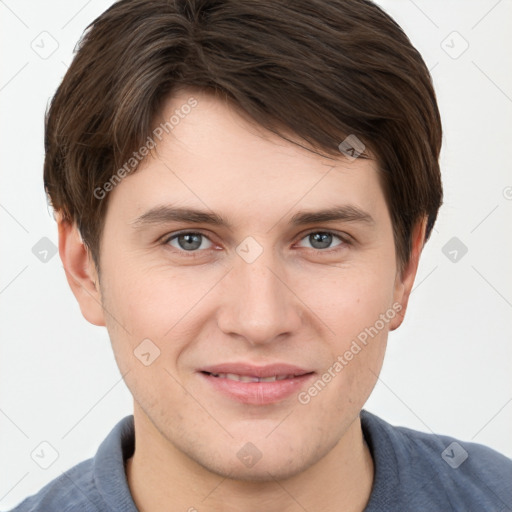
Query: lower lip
258	393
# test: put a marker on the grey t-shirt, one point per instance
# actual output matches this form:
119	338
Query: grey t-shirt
414	472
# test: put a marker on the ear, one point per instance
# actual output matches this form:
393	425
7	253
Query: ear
405	279
80	271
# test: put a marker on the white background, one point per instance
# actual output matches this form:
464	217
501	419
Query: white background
448	368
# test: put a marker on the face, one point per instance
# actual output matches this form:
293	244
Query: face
253	279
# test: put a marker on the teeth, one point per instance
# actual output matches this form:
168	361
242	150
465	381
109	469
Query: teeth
249	378
241	378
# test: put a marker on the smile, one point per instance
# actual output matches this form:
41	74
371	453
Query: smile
252	385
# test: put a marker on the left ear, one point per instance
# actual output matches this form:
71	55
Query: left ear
405	279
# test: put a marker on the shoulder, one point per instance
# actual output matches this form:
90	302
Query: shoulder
94	485
438	470
73	490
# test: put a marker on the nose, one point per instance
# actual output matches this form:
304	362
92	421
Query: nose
257	302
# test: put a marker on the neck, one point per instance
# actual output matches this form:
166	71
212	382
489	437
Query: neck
161	477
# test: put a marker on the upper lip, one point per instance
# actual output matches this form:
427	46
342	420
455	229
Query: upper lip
276	369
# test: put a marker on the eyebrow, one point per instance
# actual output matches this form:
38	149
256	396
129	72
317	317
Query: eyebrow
345	213
165	214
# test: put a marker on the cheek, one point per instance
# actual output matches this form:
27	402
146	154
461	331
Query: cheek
146	300
155	303
348	300
356	306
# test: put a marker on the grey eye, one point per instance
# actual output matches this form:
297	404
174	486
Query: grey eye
321	240
189	241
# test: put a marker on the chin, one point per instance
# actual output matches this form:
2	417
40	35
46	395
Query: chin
261	472
275	461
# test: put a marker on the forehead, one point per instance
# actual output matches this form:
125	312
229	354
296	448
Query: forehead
214	158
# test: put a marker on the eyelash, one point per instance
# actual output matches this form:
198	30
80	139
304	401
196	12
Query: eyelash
345	240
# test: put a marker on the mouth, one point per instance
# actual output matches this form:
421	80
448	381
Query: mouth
256	385
252	378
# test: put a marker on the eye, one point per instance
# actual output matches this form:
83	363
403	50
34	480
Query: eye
323	240
189	241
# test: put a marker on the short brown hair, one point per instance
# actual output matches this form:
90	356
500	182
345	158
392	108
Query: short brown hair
318	69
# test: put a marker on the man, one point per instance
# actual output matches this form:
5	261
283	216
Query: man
243	191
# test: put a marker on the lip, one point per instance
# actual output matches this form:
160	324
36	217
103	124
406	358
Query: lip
256	393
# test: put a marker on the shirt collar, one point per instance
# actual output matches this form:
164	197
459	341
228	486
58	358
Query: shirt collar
109	466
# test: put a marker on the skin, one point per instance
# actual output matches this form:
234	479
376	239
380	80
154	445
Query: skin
295	303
